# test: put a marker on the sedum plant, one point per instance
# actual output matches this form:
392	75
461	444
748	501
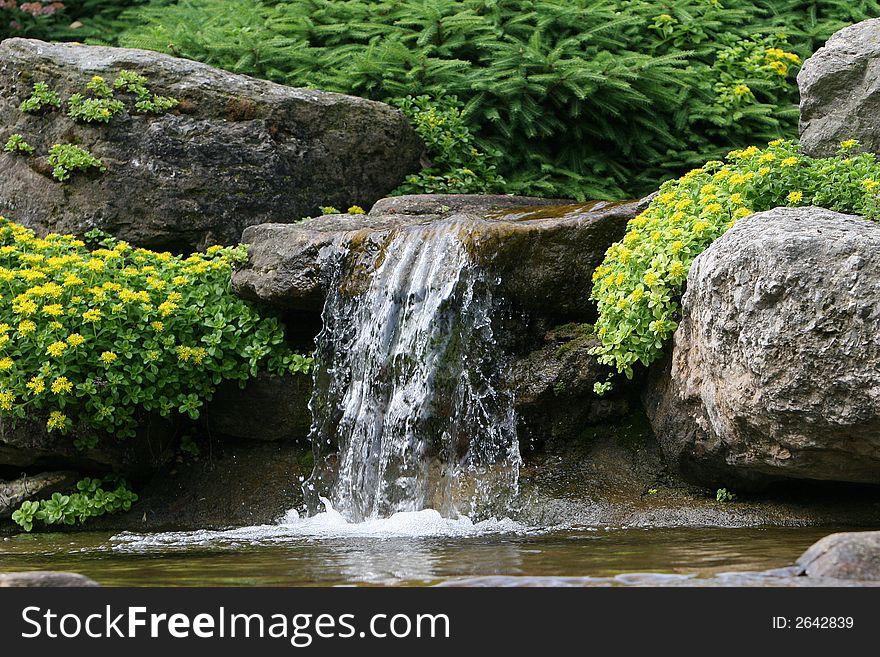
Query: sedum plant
17	144
93	498
639	284
90	339
65	159
41	98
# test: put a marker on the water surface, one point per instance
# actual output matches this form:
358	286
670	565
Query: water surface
409	550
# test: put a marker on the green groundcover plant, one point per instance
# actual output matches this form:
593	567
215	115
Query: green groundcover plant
638	286
92	338
93	498
577	98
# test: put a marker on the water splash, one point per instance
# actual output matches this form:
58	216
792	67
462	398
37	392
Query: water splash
406	413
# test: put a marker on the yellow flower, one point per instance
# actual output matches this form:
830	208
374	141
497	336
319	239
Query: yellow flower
53	310
622	304
676	246
75	339
6	364
92	315
6	400
700	226
795	197
736	199
25	307
677	269
849	144
789	162
763	171
650	278
166	308
57	420
355	209
27	327
780	68
158	326
184	353
870	185
637	294
108	357
36	385
62	385
714	208
741	90
71	280
767	157
198	355
739	213
620	278
56	349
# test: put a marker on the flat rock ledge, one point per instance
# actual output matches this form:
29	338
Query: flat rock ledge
543	253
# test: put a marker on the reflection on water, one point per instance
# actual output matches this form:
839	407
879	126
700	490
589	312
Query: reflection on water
436	550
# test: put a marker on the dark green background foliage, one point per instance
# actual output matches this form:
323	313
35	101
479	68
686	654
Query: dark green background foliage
582	97
90	19
579	98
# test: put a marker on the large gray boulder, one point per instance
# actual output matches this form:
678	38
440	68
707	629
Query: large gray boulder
236	152
840	91
542	253
846	556
775	368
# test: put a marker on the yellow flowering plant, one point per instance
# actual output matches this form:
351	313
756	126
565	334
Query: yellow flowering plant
91	339
638	286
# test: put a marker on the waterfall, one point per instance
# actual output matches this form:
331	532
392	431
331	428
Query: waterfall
406	412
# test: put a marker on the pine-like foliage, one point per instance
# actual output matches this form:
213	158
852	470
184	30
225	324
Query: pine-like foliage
583	98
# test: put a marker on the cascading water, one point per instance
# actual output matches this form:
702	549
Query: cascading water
406	413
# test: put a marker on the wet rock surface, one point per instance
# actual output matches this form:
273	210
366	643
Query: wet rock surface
269	407
840	91
26	445
236	152
552	388
228	485
542	255
775	368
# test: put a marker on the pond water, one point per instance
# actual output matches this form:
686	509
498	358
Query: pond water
408	549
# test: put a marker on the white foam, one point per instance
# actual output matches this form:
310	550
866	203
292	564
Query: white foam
328	525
